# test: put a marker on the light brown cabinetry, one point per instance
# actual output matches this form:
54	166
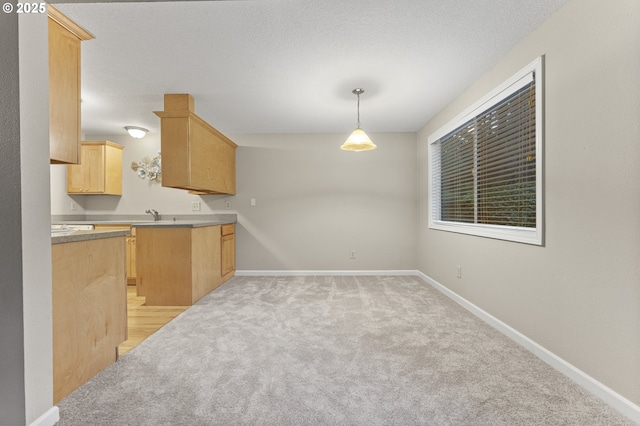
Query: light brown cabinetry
228	251
131	258
64	87
89	310
195	156
100	170
130	247
178	266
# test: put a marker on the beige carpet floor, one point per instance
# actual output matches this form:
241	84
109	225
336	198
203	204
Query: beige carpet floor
330	351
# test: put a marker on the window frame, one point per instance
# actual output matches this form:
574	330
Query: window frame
526	235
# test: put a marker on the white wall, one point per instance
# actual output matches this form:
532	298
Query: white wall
579	295
36	241
314	202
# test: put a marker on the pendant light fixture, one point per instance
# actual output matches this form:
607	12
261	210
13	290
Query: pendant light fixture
358	141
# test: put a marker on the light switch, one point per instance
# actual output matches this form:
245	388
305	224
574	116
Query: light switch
253	202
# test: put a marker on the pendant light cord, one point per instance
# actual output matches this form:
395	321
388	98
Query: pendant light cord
358	94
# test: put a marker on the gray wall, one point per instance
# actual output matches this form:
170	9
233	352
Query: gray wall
26	377
579	295
12	402
314	202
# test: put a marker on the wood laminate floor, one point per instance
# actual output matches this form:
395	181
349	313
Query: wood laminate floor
144	320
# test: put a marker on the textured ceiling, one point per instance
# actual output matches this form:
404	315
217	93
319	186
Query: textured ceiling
289	66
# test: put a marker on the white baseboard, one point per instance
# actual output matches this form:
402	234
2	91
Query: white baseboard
609	396
275	273
50	418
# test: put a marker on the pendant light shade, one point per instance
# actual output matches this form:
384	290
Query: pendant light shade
358	140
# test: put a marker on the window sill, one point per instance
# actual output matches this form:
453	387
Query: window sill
531	236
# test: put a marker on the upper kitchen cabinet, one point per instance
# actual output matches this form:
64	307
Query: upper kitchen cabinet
99	171
195	156
64	87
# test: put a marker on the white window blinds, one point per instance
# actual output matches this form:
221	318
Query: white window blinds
485	170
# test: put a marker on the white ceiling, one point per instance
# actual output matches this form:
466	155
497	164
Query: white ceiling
289	66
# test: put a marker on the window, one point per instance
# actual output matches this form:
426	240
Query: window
486	165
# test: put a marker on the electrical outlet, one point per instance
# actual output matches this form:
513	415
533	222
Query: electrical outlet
227	205
458	271
195	206
74	205
253	202
353	254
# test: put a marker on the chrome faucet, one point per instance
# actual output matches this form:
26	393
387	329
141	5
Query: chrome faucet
154	213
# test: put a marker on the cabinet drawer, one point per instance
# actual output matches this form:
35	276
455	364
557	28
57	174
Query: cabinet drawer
228	229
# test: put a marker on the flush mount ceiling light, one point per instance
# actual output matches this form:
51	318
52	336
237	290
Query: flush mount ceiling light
136	132
358	141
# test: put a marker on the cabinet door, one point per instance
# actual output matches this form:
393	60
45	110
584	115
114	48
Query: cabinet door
130	247
93	157
88	176
228	254
64	95
131	259
76	183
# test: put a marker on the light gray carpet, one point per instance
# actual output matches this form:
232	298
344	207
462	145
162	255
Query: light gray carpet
330	351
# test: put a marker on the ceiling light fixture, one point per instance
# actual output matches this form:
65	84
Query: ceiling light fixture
136	132
358	141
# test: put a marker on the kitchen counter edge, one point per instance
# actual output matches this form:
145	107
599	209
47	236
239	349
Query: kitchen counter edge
181	223
76	236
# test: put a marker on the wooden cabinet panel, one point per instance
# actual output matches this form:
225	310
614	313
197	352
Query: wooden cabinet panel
89	310
99	171
64	94
178	266
229	228
228	252
131	260
205	261
92	165
174	136
195	156
64	87
130	247
213	160
164	266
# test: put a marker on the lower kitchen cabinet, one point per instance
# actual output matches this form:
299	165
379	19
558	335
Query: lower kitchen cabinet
89	310
228	251
130	245
131	258
177	266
